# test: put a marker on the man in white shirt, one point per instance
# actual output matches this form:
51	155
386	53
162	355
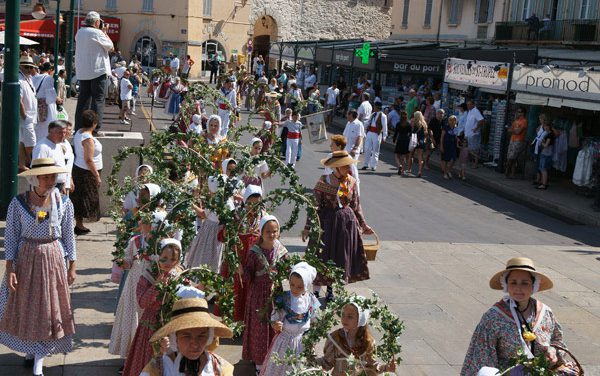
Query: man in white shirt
47	100
174	65
27	111
376	133
310	81
355	134
52	146
126	97
300	76
332	95
93	66
473	126
365	109
225	110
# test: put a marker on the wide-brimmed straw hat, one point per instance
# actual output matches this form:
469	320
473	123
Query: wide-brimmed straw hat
338	159
189	314
26	60
43	166
521	263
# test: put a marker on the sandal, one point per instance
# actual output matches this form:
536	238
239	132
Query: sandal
542	186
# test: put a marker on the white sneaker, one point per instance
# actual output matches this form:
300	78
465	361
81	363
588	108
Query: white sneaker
133	113
125	122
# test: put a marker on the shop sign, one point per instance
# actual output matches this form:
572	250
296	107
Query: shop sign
558	83
482	74
417	68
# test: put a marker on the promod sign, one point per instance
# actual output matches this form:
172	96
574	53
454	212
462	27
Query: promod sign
560	83
482	74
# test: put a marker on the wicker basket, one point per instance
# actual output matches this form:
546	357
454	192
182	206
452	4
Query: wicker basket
371	249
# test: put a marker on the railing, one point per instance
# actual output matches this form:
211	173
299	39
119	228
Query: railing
550	32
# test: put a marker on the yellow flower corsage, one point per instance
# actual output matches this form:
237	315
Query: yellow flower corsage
41	215
527	335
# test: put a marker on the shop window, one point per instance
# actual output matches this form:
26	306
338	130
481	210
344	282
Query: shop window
526	9
207	10
148	6
405	13
484	11
586	9
455	12
428	10
111	4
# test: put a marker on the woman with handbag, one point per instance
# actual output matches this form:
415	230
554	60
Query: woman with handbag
402	138
517	323
417	145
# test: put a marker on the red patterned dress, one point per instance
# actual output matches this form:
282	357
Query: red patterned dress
258	333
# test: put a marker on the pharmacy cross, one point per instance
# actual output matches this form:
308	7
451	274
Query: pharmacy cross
365	53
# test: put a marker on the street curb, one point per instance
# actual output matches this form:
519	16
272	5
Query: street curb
569	215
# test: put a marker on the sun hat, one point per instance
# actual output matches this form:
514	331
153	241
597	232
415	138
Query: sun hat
338	159
520	263
189	314
26	60
43	166
272	94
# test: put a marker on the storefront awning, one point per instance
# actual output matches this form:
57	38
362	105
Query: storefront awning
541	100
36	28
287	54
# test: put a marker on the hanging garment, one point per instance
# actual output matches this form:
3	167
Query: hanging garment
582	176
559	158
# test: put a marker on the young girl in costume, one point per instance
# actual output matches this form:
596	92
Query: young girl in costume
294	311
206	249
353	338
261	170
262	259
140	351
128	310
463	155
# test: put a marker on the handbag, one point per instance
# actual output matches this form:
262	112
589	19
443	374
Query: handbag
42	105
412	143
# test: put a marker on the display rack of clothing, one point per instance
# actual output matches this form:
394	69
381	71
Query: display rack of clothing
588	163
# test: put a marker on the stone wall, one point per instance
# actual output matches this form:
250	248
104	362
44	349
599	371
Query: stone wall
327	19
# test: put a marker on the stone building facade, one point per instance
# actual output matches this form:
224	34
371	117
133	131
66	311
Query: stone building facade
297	20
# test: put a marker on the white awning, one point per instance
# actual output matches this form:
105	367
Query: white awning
540	100
288	53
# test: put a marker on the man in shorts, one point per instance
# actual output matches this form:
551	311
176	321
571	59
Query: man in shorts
27	111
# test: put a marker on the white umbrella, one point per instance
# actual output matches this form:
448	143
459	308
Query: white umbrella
22	41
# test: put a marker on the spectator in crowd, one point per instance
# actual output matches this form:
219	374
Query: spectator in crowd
413	104
174	64
462	118
93	67
214	69
188	63
419	128
517	131
402	137
52	146
448	146
354	132
28	112
62	86
546	153
533	25
86	172
310	81
47	100
365	110
314	95
332	101
473	125
126	90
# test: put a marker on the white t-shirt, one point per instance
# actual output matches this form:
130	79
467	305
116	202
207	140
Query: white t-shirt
78	143
45	148
332	95
126	89
29	100
354	129
175	64
473	117
364	111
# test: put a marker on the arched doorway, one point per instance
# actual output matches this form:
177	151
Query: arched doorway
265	32
209	49
145	50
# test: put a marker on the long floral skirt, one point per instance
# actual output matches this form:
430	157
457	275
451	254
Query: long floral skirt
85	197
38	318
342	244
206	249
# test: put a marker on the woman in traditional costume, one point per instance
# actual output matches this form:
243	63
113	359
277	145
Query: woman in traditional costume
342	221
213	137
36	317
516	322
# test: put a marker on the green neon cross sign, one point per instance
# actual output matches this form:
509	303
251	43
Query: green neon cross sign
365	53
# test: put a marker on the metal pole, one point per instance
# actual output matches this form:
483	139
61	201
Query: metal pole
56	44
69	53
11	96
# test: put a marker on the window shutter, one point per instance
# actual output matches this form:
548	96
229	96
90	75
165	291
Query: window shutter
490	15
477	6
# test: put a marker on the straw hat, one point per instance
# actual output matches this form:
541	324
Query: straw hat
521	263
189	314
26	60
272	94
338	159
43	166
